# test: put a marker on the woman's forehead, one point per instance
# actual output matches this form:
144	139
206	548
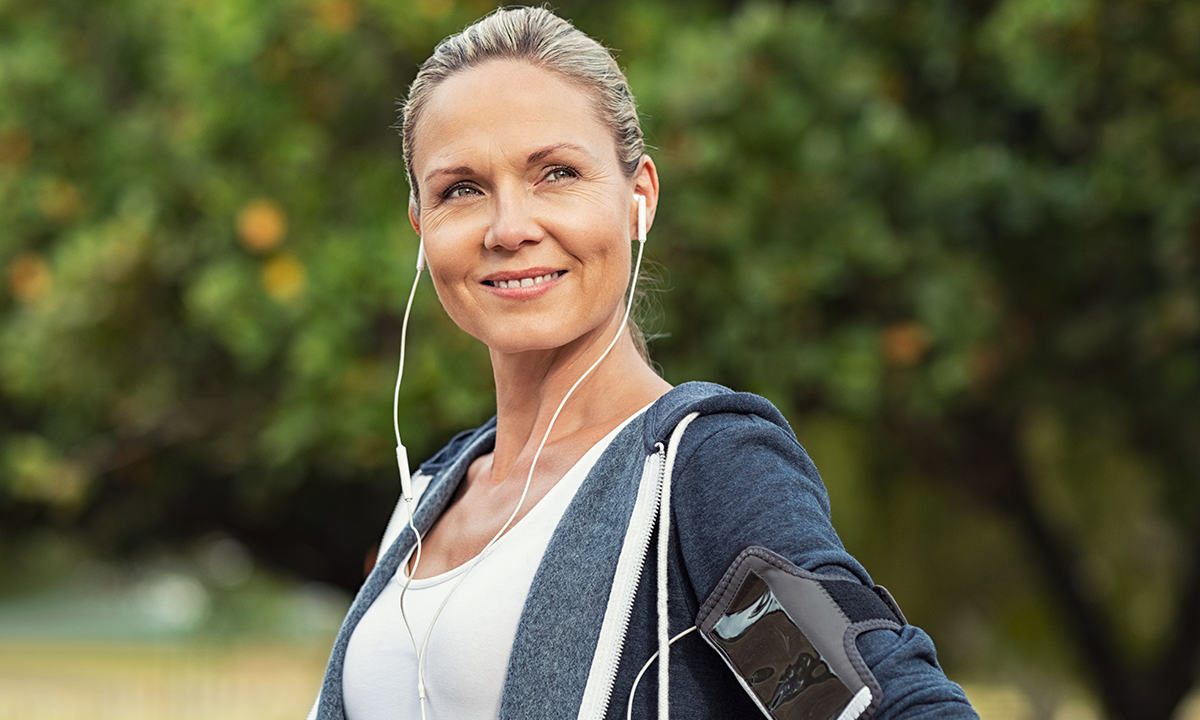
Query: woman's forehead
508	106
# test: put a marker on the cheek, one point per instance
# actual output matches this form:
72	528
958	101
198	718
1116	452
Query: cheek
617	258
457	305
447	266
450	248
448	287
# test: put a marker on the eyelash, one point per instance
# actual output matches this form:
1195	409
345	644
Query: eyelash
449	192
571	172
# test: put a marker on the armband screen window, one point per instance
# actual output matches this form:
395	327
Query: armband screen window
775	659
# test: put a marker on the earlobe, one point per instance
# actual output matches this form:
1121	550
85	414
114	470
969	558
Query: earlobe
645	183
414	217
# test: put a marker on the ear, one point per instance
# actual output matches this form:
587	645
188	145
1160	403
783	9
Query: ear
645	183
414	215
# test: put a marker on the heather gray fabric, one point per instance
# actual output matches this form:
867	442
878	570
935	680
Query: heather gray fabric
741	479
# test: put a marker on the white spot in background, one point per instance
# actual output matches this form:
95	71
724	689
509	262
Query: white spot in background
315	610
227	562
174	601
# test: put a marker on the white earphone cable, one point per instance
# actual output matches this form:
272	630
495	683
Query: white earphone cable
402	460
403	341
638	679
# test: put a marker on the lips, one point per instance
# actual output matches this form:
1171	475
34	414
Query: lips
523	282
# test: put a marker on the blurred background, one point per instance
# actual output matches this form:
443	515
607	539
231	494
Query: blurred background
955	241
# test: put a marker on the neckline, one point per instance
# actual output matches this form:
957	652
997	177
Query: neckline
566	481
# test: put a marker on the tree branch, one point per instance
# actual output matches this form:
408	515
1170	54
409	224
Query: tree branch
979	452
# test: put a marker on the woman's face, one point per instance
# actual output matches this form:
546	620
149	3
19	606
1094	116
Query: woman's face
526	216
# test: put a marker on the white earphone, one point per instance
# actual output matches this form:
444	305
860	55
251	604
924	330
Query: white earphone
641	203
406	487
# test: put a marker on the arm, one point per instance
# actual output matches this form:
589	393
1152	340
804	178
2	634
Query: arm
744	481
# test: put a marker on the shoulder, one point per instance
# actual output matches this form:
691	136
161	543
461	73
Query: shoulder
741	478
723	407
730	427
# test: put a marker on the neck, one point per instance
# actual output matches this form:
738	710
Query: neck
530	387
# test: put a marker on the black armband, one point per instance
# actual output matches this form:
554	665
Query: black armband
789	637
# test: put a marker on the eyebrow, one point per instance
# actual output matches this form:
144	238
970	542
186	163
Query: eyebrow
536	156
460	170
546	151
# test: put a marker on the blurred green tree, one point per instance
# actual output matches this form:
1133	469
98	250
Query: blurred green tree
956	241
972	229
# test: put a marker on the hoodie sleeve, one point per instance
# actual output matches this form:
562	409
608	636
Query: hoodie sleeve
742	480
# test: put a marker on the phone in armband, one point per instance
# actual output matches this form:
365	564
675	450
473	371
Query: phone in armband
788	636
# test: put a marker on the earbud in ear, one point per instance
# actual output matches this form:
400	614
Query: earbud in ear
641	203
421	257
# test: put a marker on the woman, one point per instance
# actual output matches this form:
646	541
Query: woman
517	587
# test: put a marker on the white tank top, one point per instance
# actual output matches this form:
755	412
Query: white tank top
467	656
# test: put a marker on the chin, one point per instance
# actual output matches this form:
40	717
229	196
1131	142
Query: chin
529	342
522	338
515	333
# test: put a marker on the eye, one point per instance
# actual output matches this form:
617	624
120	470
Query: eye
457	191
560	173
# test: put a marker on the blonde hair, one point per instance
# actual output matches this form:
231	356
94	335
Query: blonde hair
544	40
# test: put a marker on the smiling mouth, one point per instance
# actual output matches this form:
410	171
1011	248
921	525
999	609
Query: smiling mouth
524	282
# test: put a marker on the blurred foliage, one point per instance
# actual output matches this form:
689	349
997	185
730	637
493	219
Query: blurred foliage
965	234
956	242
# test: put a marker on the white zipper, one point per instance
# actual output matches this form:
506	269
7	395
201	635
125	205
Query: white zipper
603	673
664	541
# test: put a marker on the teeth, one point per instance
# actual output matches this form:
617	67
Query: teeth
526	282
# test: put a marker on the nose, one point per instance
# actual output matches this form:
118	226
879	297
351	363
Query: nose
513	224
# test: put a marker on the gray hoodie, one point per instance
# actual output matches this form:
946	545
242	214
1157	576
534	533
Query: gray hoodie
738	478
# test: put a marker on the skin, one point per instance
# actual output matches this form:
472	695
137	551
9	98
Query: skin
520	178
